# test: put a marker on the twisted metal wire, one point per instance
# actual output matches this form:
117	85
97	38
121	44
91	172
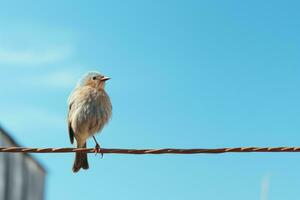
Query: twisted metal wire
150	151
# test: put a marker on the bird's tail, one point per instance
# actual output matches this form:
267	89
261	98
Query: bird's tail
81	160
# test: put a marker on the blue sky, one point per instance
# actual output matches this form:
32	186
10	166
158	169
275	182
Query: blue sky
185	74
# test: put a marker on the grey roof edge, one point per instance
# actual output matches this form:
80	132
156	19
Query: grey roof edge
13	141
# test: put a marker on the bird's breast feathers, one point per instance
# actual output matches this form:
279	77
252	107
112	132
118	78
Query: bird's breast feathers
90	110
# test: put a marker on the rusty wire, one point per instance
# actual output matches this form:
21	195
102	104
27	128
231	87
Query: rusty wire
150	151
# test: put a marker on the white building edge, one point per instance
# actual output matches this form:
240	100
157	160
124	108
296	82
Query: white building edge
21	176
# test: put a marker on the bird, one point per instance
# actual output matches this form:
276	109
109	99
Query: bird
89	110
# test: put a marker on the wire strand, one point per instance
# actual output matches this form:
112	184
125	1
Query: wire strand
151	151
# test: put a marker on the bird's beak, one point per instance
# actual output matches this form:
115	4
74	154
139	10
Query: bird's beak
105	78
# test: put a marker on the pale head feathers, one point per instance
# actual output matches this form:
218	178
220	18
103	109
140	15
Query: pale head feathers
93	79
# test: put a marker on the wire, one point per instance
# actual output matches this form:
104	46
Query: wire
150	151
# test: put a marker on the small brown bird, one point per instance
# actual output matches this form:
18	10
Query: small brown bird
89	110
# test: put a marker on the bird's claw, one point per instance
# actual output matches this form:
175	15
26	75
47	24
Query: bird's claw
98	150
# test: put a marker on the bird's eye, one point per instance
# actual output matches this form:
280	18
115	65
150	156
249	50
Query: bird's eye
94	77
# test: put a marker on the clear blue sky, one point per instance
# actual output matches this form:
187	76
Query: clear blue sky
184	74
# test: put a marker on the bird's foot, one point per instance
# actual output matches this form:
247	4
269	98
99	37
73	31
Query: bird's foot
98	150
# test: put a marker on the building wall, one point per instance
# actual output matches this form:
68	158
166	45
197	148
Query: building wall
21	177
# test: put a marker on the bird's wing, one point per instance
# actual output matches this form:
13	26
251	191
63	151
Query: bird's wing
77	95
70	129
71	133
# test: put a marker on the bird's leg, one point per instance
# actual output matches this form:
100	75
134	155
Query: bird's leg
97	147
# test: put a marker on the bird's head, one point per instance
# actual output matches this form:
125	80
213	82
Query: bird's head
93	79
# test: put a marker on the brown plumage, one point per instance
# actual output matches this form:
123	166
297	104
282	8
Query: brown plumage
89	110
